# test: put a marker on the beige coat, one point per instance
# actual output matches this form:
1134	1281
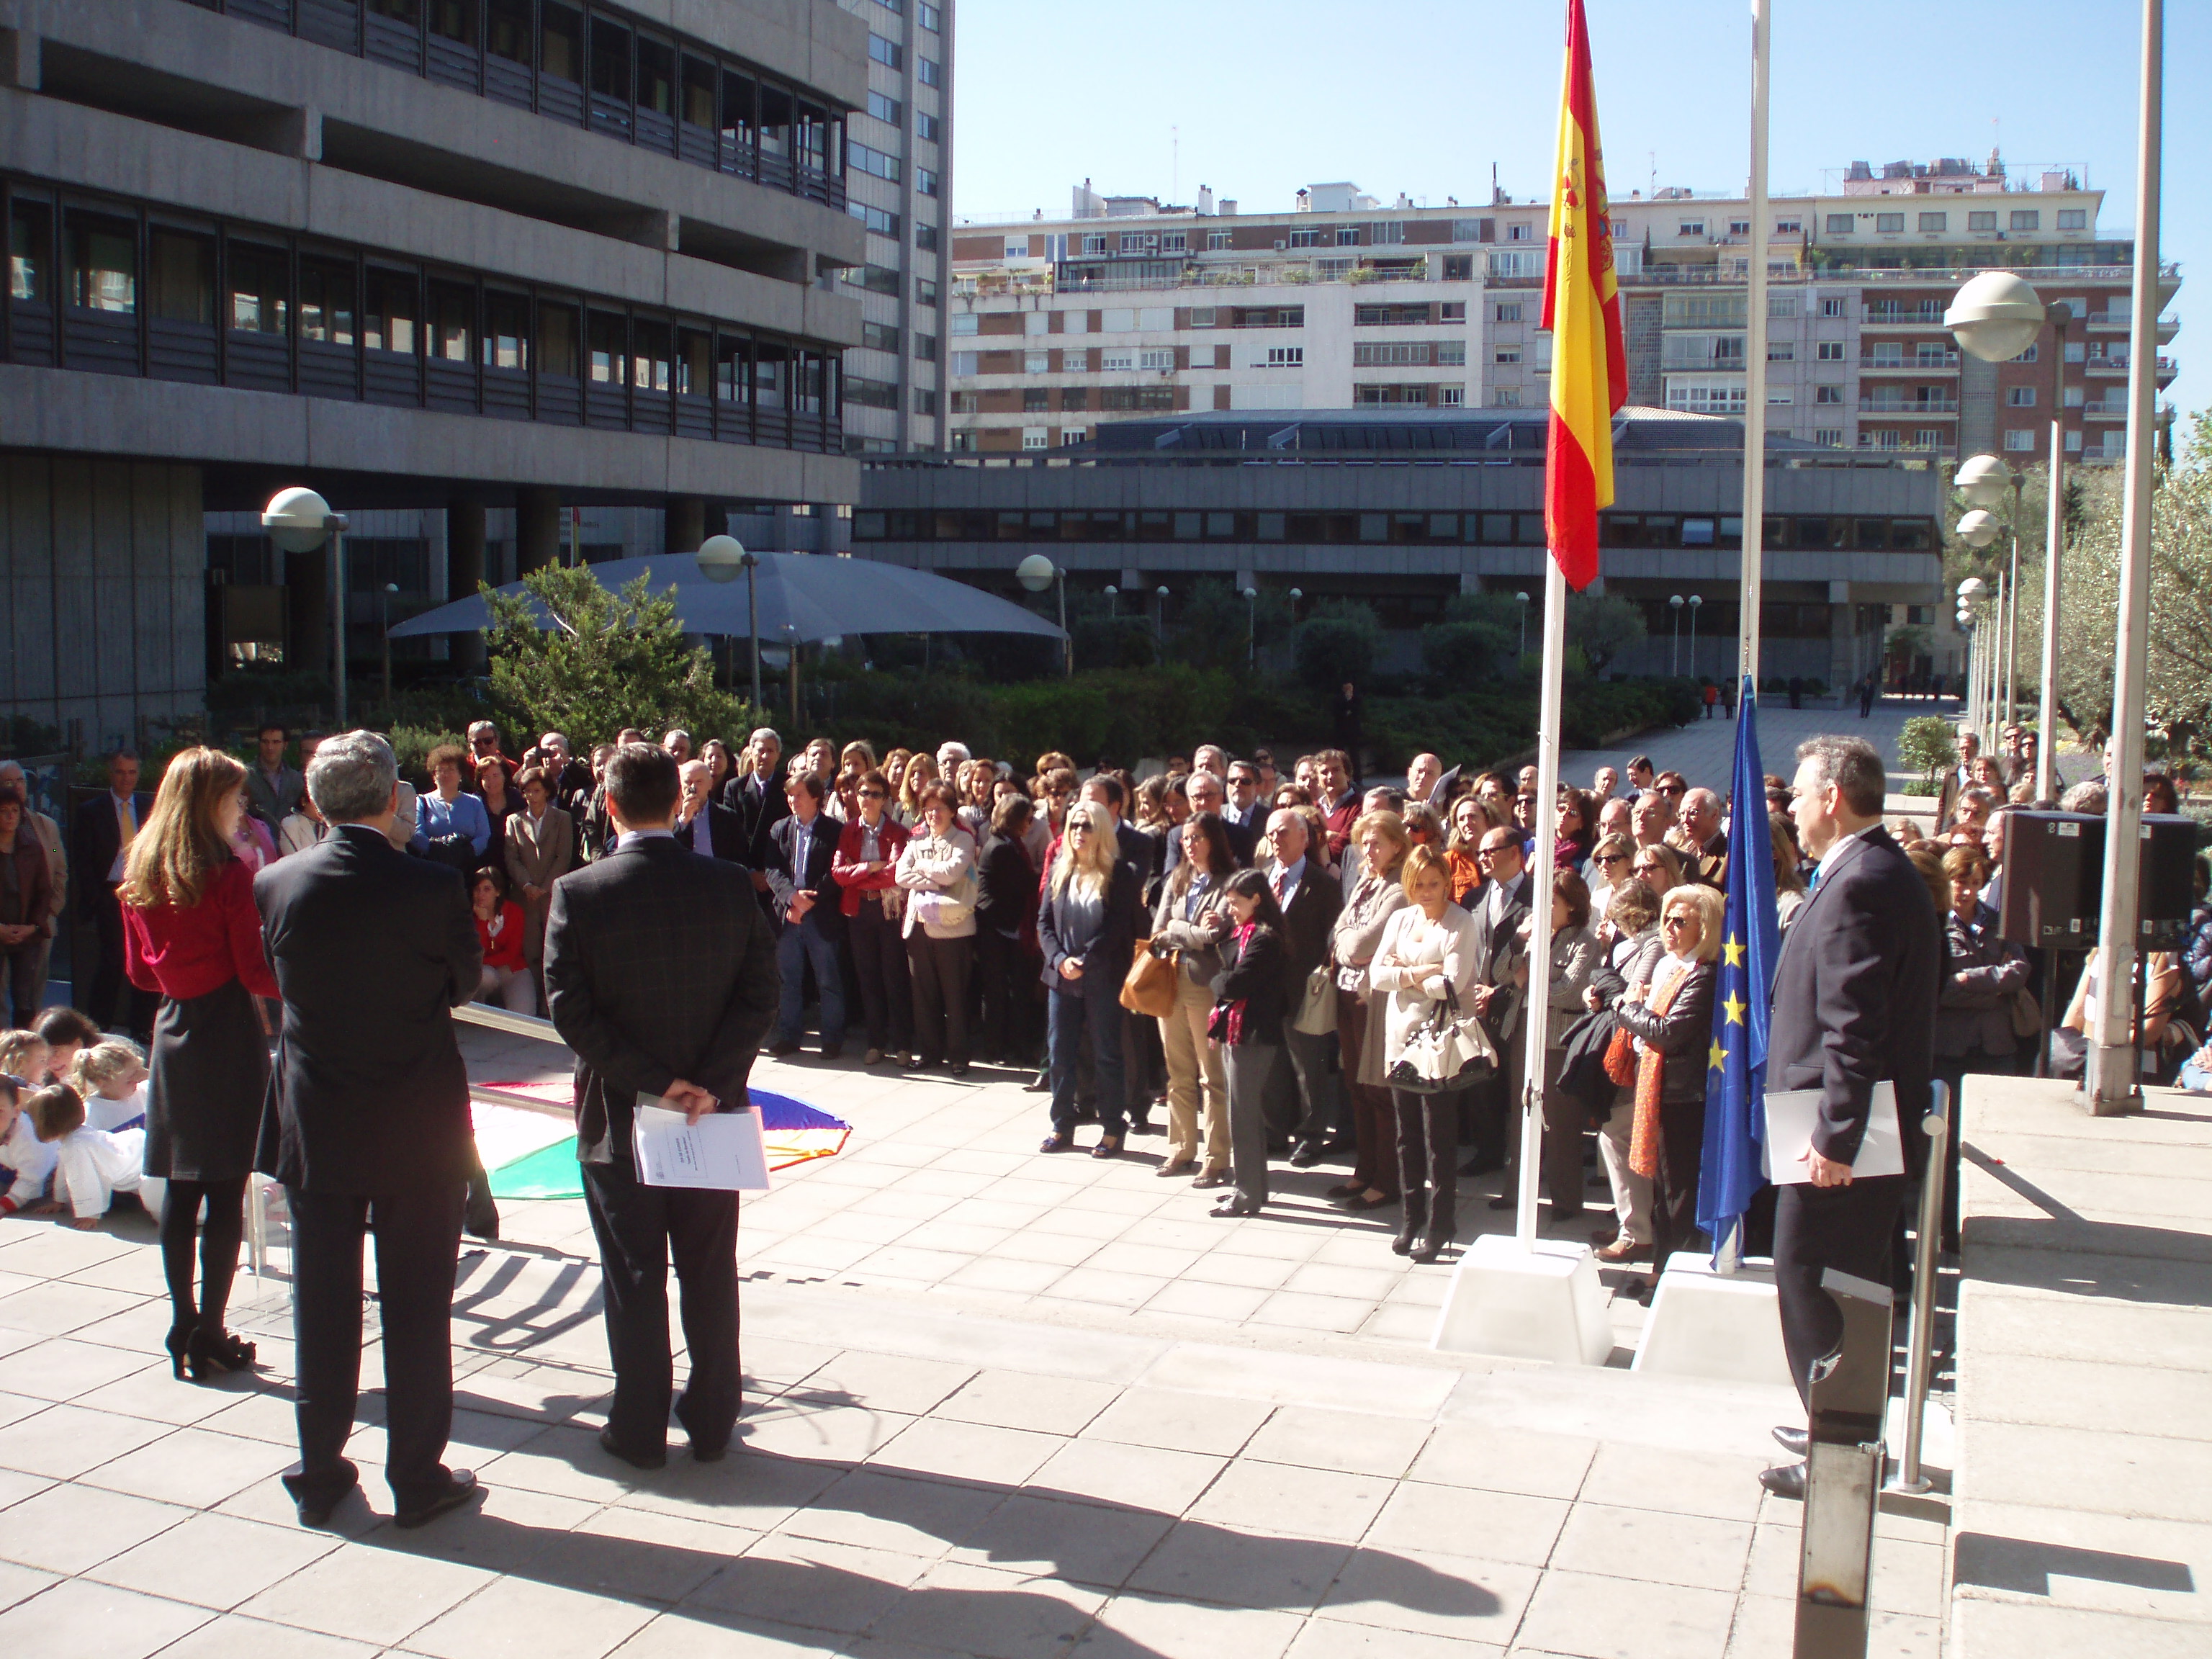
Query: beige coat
537	856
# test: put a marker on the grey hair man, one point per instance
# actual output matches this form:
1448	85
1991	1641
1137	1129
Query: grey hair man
1302	1101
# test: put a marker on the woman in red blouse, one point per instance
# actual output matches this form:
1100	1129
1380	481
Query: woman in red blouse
190	932
500	925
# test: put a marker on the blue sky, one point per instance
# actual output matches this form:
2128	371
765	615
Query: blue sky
1422	96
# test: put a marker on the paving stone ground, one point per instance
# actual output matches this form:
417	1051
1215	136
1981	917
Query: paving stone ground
998	1405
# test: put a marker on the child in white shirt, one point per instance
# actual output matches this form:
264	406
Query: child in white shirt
110	1077
92	1165
26	1163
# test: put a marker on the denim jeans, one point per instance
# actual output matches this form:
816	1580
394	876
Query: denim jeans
1103	1013
799	945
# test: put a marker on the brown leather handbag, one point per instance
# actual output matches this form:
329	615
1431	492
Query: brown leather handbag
1149	987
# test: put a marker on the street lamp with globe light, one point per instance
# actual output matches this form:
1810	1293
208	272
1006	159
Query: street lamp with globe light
298	520
1970	593
720	558
1160	626
1994	317
1675	650
1521	650
1696	600
1251	628
1036	573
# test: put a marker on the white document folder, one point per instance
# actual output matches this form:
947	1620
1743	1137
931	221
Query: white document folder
1791	1114
724	1150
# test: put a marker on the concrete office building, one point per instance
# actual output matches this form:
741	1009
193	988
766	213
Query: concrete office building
460	266
1405	507
1129	306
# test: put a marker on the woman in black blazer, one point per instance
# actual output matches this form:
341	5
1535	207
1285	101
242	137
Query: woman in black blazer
1671	1018
1251	999
1086	924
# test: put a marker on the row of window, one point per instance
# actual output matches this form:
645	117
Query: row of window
114	288
594	66
1984	220
1643	529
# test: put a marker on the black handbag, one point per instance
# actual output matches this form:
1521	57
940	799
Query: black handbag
1451	1050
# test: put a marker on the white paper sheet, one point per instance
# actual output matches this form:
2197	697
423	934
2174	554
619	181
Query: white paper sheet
724	1150
1791	1114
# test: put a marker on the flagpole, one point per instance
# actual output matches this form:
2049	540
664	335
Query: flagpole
1755	369
1535	1001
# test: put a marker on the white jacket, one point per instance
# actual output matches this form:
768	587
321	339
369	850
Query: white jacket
94	1165
31	1158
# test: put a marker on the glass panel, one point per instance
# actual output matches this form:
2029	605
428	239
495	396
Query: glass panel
656	75
813	383
260	290
30	251
406	12
774	121
732	372
560	43
556	340
453	322
182	275
771	372
738	94
813	145
609	334
651	353
103	265
506	32
693	361
326	302
455	20
698	92
507	331
610	55
387	322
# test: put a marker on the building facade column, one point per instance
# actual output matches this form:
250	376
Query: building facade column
465	570
537	529
307	619
684	523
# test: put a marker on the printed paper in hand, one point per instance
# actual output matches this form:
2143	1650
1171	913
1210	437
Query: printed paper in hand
723	1151
1790	1116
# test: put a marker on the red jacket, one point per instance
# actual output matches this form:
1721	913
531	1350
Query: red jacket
505	951
185	954
891	838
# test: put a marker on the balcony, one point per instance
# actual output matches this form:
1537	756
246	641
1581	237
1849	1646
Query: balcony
1939	362
2111	409
1876	403
1899	313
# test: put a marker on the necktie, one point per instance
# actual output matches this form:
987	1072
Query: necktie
1282	881
126	814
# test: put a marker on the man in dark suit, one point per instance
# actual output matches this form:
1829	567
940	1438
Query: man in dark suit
810	905
1246	809
1204	791
660	974
1855	993
703	827
1302	1103
367	1127
1500	908
757	798
1959	778
571	773
101	830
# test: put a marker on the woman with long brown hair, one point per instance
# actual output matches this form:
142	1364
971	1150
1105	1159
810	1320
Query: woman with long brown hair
191	932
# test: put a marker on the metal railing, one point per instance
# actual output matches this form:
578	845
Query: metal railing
1920	1335
501	1020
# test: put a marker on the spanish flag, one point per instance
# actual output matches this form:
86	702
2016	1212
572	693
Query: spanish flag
1581	307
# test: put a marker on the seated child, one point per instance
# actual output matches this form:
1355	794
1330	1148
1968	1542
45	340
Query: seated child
92	1165
64	1030
25	1161
110	1077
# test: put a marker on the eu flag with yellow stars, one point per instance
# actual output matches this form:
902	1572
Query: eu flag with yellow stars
1736	1085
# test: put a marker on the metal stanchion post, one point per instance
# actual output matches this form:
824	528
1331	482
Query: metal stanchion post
1844	1459
1920	1336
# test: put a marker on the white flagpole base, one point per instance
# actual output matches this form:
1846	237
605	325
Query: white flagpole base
1523	1301
1723	1326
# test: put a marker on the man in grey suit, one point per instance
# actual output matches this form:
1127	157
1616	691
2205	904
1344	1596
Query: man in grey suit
272	788
661	973
1854	993
367	1126
1500	906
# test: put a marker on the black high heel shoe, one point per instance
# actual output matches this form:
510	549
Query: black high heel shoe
204	1356
236	1353
177	1342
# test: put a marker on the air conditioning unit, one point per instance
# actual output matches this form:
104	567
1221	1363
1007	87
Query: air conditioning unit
1280	245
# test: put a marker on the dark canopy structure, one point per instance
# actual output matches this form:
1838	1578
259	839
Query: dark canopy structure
806	595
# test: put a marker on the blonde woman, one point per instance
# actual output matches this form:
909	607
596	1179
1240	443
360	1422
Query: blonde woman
894	771
191	932
1190	923
1087	925
920	772
1671	1019
1378	840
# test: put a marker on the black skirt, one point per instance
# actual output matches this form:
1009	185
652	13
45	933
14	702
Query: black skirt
210	1070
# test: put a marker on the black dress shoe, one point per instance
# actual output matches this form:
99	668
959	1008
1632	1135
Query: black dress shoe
1503	1201
460	1488
1784	1480
1793	1441
1355	1205
613	1448
710	1454
315	1512
782	1050
1336	1145
1305	1155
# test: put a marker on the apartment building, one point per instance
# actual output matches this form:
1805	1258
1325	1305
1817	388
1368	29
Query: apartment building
898	182
465	266
1130	306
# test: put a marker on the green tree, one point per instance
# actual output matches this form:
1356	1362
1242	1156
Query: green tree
611	659
1927	743
1479	638
1603	625
1337	642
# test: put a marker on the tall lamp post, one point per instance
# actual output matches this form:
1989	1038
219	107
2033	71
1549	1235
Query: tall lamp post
720	558
1970	596
1994	317
383	627
791	648
1251	628
1160	623
1982	479
298	520
1675	648
1696	600
1522	651
1036	573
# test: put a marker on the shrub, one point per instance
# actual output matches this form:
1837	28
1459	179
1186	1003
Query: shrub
1927	743
1337	643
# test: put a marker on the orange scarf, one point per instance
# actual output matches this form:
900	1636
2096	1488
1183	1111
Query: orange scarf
1650	1072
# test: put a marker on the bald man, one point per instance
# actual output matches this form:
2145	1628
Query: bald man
708	829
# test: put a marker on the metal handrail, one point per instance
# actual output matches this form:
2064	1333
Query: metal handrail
1920	1333
502	1019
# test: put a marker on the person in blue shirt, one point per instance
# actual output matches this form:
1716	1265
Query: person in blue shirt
446	812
